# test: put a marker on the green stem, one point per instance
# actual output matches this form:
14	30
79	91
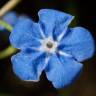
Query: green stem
6	25
9	50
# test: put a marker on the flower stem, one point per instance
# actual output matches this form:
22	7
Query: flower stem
10	50
7	52
6	25
8	6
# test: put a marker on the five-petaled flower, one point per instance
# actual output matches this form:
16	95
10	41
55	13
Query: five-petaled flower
50	46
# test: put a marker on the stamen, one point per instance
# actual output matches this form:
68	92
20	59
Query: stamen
49	44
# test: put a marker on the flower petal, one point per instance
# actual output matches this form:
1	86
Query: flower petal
53	22
11	18
25	34
62	71
79	43
28	64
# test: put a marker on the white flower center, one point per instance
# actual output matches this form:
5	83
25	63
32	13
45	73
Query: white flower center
49	45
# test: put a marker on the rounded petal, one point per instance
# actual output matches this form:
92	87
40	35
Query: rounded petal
79	43
22	17
53	22
11	18
62	71
25	34
28	64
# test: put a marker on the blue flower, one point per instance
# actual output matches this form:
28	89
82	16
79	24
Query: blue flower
50	46
11	18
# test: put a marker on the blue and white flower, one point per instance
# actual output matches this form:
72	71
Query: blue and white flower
51	46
